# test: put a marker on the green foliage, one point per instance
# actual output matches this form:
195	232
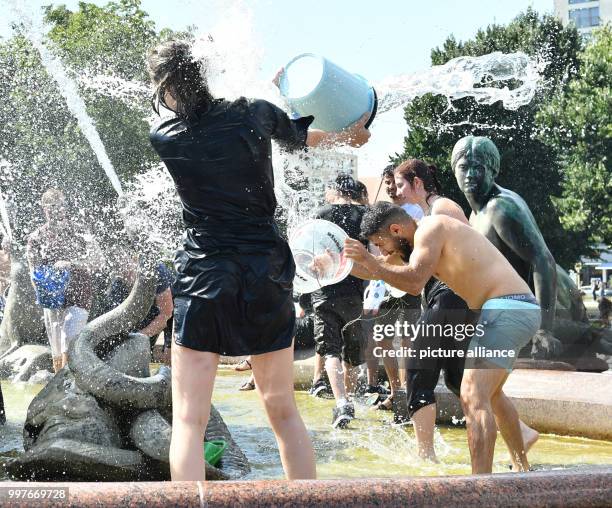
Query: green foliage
41	138
579	126
528	166
109	39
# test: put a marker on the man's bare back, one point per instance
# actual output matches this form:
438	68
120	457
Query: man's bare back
447	249
468	263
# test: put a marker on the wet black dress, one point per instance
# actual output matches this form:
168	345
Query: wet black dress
233	293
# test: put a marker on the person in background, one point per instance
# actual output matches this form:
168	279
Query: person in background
373	296
417	183
412	209
62	255
394	309
244	366
320	386
160	313
339	335
371	304
595	289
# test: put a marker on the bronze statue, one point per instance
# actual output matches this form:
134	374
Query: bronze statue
506	220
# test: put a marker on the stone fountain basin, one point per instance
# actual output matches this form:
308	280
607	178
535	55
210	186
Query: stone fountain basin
536	489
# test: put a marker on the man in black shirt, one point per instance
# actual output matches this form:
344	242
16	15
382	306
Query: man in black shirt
339	336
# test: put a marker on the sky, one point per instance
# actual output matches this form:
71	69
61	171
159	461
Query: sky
374	39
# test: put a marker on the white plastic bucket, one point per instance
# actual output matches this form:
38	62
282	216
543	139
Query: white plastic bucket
312	85
323	239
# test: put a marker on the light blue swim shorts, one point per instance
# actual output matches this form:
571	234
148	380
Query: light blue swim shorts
506	325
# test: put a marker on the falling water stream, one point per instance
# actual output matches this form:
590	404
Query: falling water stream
32	20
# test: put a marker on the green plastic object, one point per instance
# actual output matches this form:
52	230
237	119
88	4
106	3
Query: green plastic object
213	451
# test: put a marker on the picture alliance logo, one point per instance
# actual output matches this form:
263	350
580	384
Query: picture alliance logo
411	331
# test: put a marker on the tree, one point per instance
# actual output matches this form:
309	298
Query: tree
40	138
578	125
528	165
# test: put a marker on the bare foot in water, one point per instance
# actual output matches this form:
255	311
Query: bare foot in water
530	436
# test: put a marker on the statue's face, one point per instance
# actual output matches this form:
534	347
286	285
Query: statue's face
473	176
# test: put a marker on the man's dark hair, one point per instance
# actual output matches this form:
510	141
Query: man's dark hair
380	216
388	171
346	186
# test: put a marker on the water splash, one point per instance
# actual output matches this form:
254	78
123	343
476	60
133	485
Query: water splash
232	56
467	76
151	204
5	224
36	30
130	92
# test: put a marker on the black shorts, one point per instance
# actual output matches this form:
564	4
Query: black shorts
332	335
446	309
235	304
304	332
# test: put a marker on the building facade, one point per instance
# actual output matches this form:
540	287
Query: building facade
586	15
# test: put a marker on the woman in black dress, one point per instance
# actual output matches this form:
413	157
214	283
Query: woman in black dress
233	294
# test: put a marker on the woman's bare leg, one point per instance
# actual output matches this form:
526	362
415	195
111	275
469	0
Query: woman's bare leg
350	377
424	421
193	378
390	365
58	363
319	365
274	382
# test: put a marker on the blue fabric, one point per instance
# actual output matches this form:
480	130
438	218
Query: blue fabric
50	286
165	279
509	304
509	325
415	211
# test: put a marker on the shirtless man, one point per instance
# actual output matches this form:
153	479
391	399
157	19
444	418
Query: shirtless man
473	268
417	183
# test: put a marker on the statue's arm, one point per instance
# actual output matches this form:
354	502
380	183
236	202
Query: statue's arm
518	231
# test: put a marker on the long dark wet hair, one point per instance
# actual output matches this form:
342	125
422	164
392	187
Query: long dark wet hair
173	69
411	168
